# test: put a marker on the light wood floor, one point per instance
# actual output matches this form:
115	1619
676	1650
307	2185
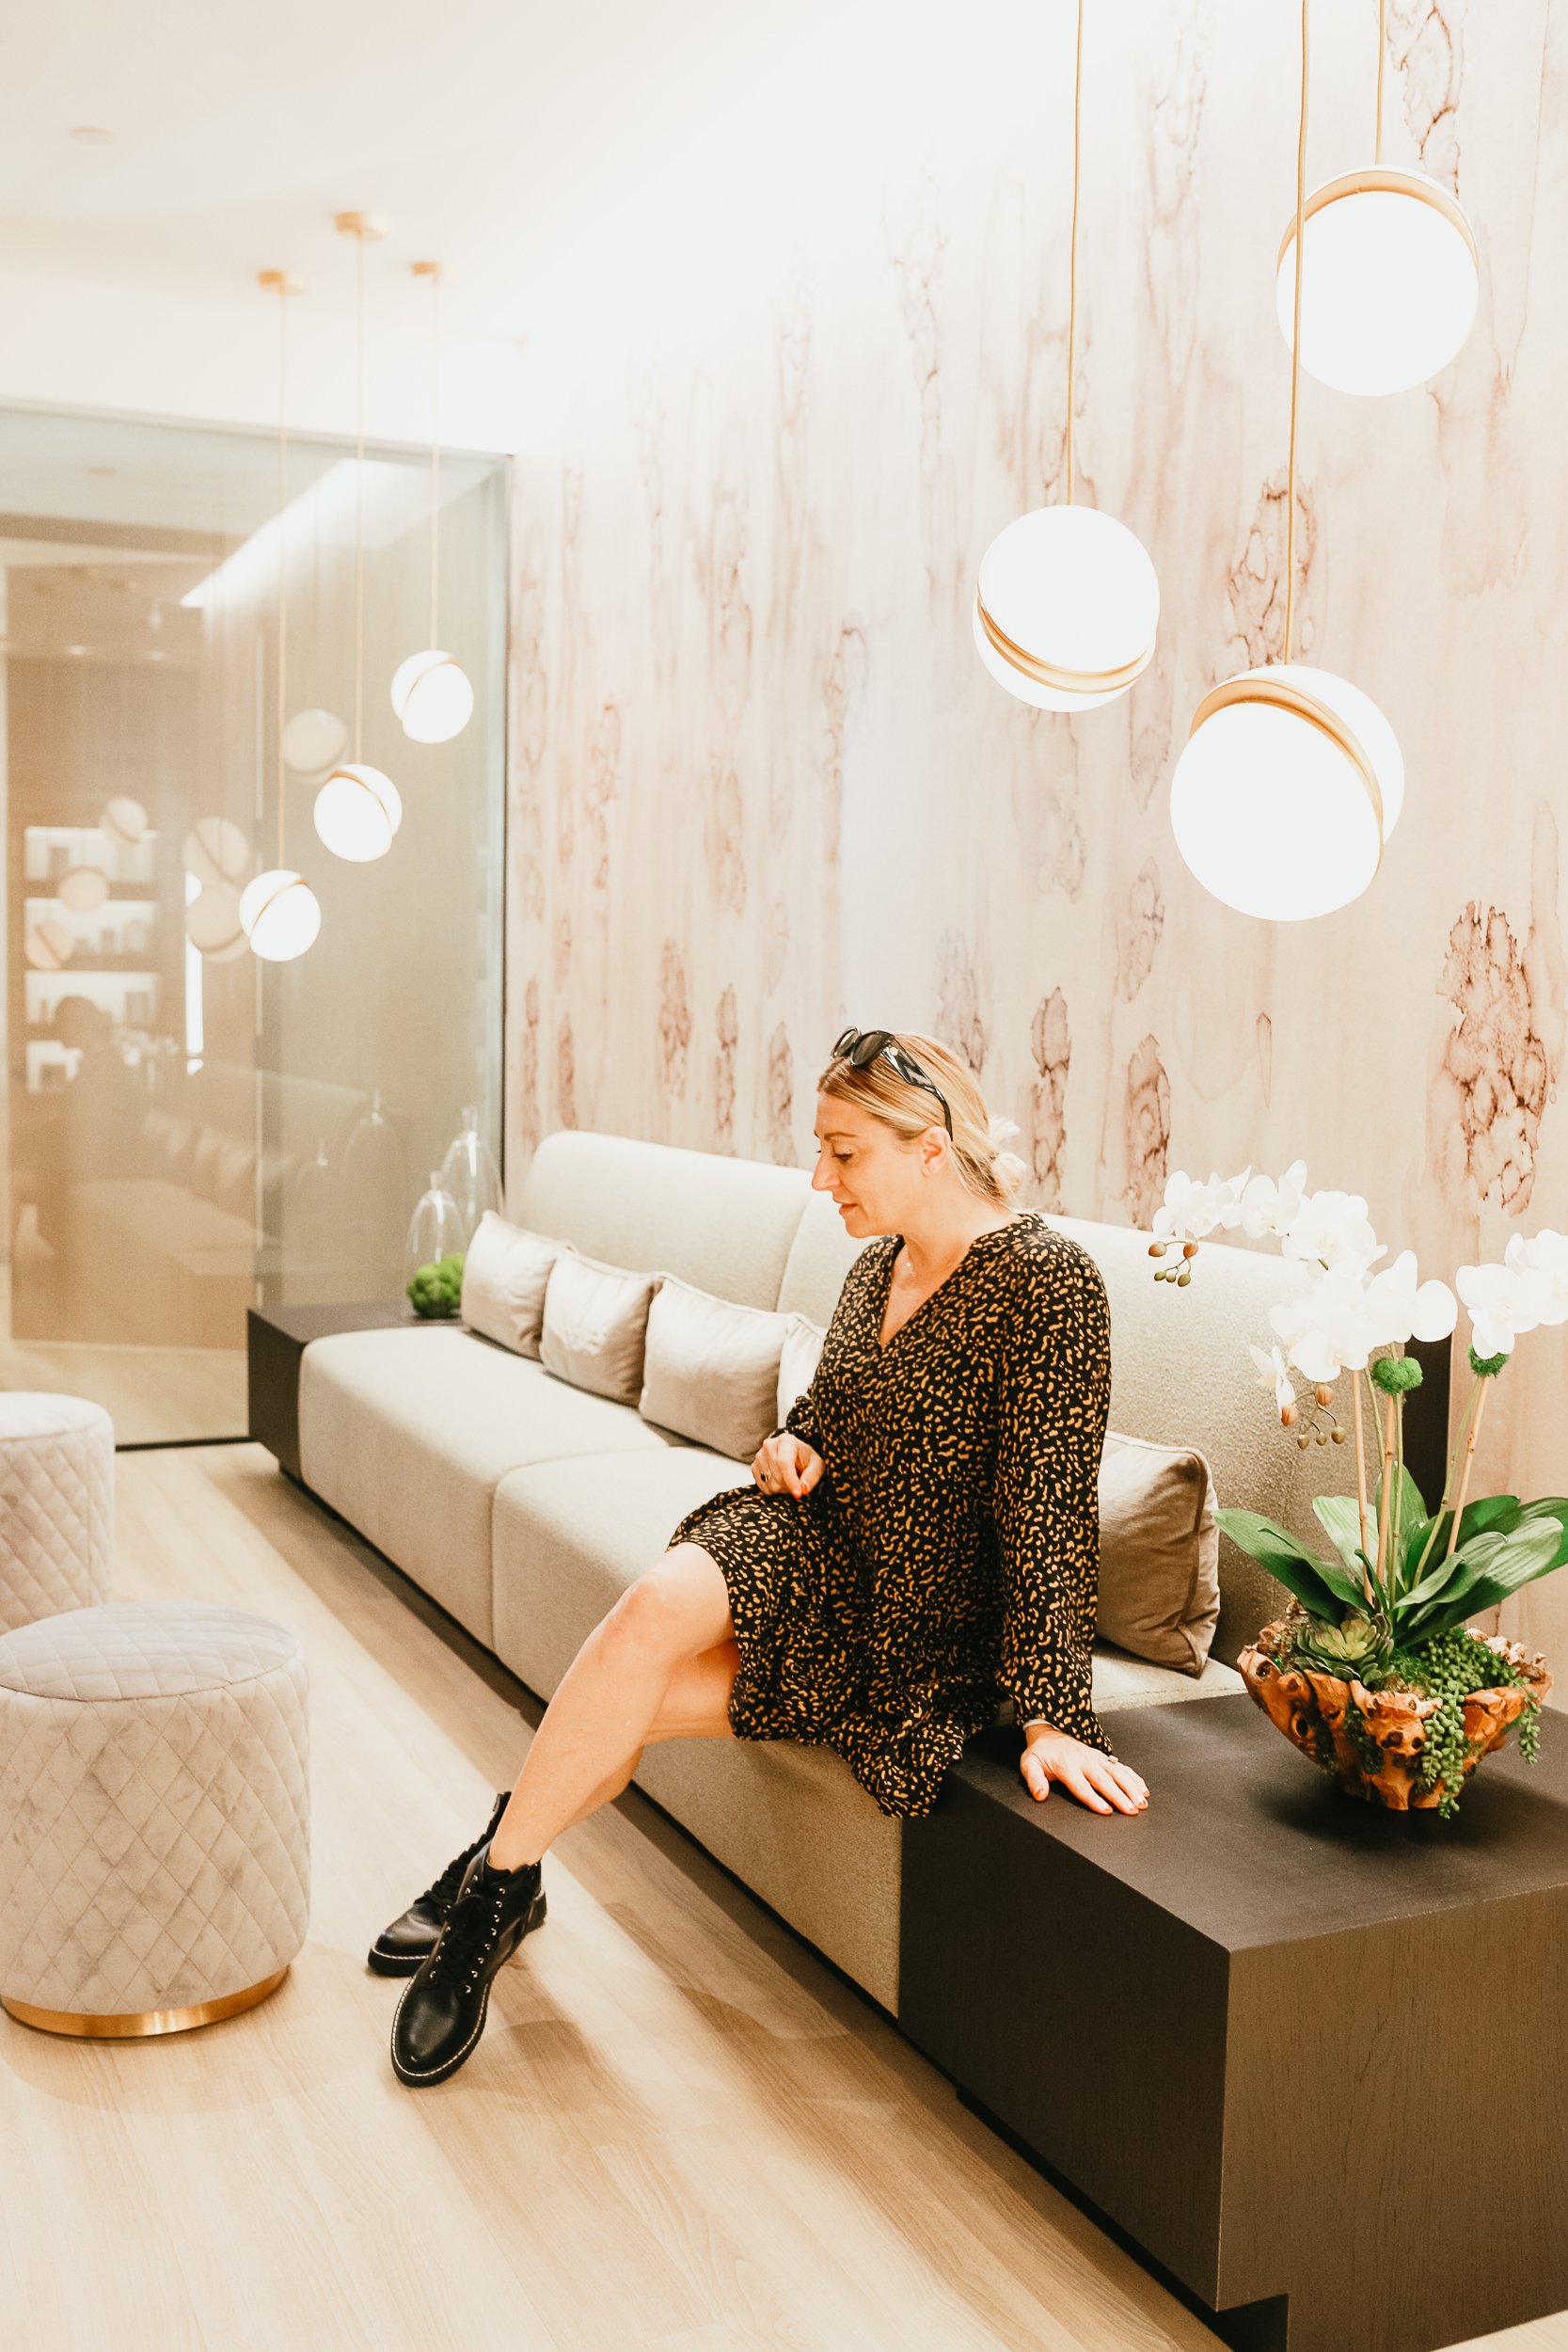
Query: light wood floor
681	2130
153	1395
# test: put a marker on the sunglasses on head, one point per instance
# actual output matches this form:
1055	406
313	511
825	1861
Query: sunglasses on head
860	1047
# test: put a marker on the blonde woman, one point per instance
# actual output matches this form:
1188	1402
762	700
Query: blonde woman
918	1540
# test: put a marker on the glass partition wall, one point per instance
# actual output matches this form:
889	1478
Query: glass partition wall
188	1130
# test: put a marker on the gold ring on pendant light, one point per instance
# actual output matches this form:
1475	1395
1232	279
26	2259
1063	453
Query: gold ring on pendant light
1052	674
1280	694
1380	181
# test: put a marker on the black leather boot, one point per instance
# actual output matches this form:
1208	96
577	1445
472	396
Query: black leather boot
441	2014
398	1949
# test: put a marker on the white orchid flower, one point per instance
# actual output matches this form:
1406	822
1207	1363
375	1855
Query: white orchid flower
1273	1374
1332	1229
1545	1261
1403	1310
1271	1208
1329	1327
1190	1211
1502	1302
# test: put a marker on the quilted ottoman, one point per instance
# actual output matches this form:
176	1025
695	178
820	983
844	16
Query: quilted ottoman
154	1815
57	1504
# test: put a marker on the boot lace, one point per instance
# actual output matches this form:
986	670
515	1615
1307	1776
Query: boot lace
442	1892
472	1925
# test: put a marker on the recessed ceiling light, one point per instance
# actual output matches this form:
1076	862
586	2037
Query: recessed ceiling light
93	135
77	650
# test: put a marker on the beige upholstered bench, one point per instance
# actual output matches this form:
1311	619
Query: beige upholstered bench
154	1815
57	1504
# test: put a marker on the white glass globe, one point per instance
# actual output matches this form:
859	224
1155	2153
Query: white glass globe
432	697
1389	282
212	921
313	740
1269	802
216	850
1065	609
84	889
281	914
49	945
358	812
124	820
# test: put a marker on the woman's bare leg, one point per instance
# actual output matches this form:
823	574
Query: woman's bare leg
696	1706
603	1714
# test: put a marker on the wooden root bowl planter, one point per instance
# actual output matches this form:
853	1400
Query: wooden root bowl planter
1312	1710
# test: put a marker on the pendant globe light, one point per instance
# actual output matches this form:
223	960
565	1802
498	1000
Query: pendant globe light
431	695
1394	278
278	911
84	890
1290	779
357	808
1067	601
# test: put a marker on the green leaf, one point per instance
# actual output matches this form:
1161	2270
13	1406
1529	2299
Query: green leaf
1339	1516
1323	1589
1408	1503
1484	1571
1503	1511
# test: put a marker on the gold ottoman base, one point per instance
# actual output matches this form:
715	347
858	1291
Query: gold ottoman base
134	2023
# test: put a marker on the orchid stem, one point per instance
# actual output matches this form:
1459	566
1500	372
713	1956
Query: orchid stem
1464	1476
1386	1499
1361	1482
1447	1481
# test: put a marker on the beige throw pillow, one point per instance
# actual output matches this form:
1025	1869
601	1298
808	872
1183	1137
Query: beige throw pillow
1159	1553
504	1276
802	1351
711	1369
595	1320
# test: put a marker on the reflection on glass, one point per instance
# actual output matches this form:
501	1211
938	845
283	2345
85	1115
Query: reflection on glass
187	1132
470	1175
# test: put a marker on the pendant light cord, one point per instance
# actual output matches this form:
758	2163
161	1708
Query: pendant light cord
1072	245
1382	54
358	496
282	547
435	450
1295	353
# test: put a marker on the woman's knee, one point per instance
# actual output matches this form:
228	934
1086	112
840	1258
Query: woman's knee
677	1609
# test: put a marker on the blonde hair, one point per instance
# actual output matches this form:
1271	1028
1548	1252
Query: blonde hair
984	1169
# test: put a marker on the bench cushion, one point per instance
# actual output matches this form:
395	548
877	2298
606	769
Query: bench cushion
408	1433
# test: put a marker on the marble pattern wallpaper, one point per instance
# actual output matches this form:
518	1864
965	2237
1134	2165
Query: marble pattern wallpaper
759	780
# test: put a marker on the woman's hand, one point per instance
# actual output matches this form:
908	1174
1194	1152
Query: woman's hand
1094	1778
787	1464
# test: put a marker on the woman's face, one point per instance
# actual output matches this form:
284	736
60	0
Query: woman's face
874	1178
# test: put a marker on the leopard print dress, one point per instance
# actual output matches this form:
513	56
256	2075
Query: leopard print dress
948	1555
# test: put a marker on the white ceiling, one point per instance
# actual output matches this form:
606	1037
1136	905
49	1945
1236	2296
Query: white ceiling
490	134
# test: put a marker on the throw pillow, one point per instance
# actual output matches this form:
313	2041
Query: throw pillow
711	1370
595	1321
1159	1553
504	1274
803	1350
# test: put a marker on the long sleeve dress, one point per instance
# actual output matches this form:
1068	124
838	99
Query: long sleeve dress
948	1555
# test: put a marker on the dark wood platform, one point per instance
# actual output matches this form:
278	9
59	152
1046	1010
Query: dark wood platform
276	1338
1311	2057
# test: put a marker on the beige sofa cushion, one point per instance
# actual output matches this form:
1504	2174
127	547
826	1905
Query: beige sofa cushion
505	1272
723	1223
710	1370
408	1432
1159	1553
596	1322
803	1353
